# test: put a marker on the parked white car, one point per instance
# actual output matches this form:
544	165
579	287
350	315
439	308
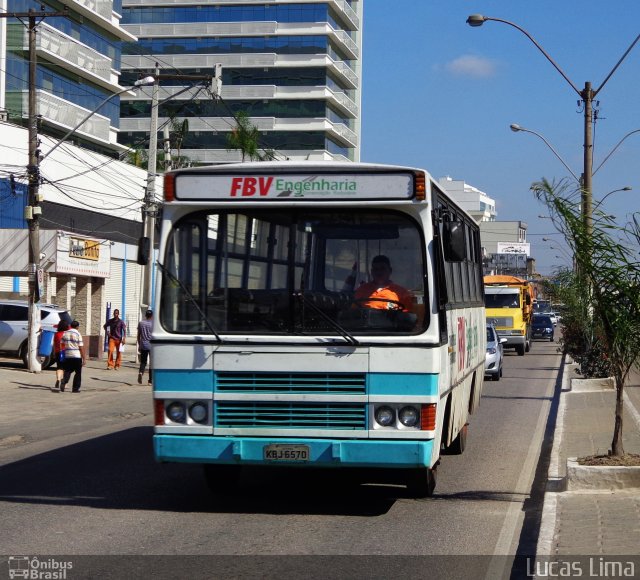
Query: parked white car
14	329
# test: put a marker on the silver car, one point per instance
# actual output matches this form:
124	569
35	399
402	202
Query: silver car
495	354
14	327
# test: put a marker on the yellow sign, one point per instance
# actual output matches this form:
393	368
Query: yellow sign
84	249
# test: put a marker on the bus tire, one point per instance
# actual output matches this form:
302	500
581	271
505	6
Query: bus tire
222	478
520	349
459	444
422	481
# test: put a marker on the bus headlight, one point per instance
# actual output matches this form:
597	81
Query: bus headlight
198	412
385	416
409	416
176	412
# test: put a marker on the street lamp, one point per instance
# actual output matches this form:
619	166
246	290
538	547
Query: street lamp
625	188
139	83
33	363
614	149
587	95
516	128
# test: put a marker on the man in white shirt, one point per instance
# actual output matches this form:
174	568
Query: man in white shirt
74	357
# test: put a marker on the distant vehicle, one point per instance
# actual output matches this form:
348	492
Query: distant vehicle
554	317
495	354
540	306
543	327
14	329
509	306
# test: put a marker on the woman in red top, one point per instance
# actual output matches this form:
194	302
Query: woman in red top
62	327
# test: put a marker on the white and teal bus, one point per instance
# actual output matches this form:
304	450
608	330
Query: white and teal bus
264	354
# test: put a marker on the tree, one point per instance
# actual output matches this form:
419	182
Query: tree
606	284
177	134
245	138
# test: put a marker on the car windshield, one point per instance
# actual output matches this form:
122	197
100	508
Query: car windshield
542	321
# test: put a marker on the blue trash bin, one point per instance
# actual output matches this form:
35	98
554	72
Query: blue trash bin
46	343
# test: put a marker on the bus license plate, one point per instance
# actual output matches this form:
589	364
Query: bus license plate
286	452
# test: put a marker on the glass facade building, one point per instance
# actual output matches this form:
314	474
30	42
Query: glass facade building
78	64
292	67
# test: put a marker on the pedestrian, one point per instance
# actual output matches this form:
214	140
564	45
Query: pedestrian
74	357
144	344
116	331
63	326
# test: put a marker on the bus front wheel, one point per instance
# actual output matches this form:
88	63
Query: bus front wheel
222	478
520	349
422	481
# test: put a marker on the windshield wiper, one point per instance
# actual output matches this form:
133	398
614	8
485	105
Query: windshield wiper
341	330
191	297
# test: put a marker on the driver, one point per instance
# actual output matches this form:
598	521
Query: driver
381	292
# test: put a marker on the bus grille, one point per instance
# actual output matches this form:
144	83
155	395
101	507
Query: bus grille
240	414
336	383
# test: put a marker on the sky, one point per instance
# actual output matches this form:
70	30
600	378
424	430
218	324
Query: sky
441	95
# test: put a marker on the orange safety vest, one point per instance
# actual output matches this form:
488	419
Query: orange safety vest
389	292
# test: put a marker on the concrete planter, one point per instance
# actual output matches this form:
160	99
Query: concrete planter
586	385
599	477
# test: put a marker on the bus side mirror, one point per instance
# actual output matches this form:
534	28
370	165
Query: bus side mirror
144	246
453	241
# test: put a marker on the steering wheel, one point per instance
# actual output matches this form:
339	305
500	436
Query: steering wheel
361	301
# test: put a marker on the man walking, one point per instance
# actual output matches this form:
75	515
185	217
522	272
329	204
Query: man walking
144	344
74	357
116	331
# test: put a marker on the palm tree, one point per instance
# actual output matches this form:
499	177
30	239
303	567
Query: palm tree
245	137
607	281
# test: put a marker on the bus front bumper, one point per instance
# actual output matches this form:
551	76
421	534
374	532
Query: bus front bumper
321	452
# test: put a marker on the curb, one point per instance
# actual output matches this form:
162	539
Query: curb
600	477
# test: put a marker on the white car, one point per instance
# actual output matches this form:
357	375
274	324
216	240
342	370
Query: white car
495	354
14	316
554	317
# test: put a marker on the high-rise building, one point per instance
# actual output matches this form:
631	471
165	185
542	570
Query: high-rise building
293	67
78	58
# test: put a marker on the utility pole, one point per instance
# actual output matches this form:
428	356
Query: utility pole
33	209
150	209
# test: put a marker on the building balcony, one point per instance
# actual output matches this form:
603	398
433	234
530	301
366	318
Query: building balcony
337	131
339	100
204	29
216	156
101	13
348	13
65	116
340	6
56	47
207	61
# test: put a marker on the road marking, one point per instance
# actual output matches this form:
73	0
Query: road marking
513	519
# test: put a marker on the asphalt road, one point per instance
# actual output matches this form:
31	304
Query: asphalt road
82	480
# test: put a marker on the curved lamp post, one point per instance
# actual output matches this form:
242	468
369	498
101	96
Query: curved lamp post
587	95
517	128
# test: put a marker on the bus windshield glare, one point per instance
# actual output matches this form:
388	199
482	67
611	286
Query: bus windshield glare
290	271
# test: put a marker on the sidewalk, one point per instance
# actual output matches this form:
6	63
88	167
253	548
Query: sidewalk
590	523
34	418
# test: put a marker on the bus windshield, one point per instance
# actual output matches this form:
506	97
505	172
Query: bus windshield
290	271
